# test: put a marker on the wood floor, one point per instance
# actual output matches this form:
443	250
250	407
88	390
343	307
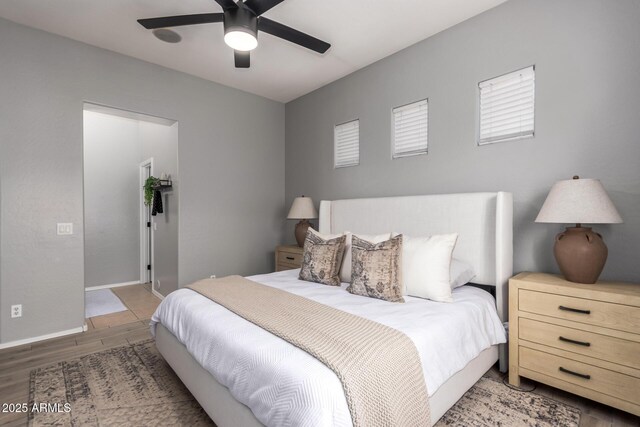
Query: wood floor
16	363
111	330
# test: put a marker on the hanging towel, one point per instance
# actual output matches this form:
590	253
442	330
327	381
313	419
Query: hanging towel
157	203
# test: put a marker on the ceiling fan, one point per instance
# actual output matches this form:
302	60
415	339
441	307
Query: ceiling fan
242	21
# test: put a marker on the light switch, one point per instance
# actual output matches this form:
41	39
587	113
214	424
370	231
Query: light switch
65	228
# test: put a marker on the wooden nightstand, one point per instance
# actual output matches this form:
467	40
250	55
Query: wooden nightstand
584	339
288	257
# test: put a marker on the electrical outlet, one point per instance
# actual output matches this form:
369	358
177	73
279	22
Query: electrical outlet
65	228
16	311
213	276
158	283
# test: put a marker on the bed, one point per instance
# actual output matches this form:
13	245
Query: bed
244	376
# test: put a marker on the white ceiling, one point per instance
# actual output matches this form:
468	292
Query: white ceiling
360	32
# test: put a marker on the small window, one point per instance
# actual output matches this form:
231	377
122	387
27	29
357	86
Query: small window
507	107
346	140
410	129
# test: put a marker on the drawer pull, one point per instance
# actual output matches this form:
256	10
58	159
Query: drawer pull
569	340
290	257
566	371
574	310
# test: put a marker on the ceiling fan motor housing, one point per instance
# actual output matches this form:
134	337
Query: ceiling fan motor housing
241	19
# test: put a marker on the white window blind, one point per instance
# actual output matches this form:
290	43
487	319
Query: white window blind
346	139
410	129
507	106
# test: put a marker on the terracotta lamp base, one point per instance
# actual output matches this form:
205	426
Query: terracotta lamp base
580	254
301	231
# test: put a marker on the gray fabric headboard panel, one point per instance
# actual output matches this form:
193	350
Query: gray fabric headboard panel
483	221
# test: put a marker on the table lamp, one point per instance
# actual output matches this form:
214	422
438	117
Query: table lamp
579	251
303	209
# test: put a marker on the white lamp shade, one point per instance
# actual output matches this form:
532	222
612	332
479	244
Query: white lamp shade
580	201
302	208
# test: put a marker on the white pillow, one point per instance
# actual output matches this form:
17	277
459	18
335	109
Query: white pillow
461	273
426	263
345	270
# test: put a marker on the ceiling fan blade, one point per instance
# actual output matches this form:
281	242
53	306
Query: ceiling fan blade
176	21
242	58
294	36
261	6
227	4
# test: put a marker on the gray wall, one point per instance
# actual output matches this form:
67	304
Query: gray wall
587	120
231	171
161	143
112	156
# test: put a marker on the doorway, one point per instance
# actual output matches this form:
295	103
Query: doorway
146	235
125	245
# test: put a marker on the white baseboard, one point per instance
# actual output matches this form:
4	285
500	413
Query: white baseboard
113	285
156	293
43	337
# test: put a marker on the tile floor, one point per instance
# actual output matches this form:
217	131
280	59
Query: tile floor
139	300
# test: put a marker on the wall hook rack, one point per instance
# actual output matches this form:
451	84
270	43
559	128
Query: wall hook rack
163	184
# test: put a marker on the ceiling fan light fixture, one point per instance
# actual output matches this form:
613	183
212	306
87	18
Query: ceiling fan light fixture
241	29
240	40
242	19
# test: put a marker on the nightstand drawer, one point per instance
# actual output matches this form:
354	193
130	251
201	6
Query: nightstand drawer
581	338
283	267
290	258
605	314
601	380
583	342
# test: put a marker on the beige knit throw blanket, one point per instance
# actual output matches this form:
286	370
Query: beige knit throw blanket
379	367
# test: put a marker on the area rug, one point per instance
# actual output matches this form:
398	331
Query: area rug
132	385
100	302
125	386
490	403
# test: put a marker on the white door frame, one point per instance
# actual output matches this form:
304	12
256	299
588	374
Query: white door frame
146	248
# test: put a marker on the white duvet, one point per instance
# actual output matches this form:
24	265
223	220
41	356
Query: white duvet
284	385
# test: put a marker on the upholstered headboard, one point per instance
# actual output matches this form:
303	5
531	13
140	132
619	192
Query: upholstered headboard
483	221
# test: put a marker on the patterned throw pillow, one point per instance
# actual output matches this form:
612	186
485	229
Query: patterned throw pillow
345	270
376	269
322	258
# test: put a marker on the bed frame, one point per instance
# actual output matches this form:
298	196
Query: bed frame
484	222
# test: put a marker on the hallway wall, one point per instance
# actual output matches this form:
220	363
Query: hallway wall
112	154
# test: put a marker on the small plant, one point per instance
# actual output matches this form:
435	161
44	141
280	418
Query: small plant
149	185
